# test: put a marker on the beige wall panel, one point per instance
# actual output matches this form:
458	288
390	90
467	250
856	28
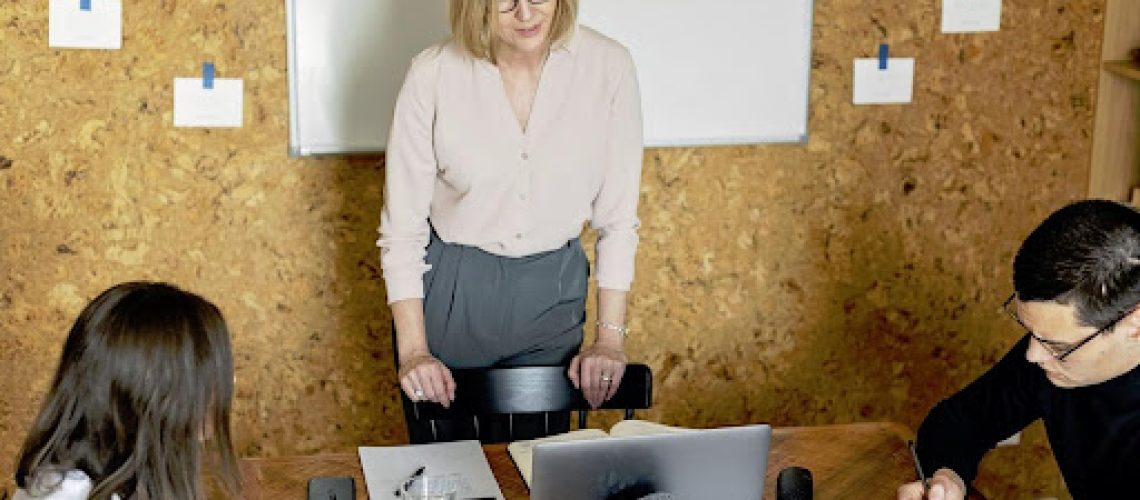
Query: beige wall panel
853	278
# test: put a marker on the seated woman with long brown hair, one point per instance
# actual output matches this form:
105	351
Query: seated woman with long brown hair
140	400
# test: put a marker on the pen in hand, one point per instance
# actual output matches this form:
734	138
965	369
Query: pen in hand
403	484
918	468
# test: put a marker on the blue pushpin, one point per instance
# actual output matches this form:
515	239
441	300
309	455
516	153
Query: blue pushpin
883	52
85	5
208	75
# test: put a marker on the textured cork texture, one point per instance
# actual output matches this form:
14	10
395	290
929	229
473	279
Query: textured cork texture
854	278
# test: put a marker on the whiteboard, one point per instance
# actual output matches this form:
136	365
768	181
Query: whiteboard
711	71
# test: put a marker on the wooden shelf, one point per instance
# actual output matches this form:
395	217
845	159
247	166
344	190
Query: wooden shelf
1123	68
1114	169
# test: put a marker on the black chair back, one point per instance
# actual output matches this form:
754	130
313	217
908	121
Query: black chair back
533	389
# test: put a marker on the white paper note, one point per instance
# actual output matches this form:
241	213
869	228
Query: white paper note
966	16
893	85
73	28
195	106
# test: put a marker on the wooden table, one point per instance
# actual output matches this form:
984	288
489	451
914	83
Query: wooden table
846	461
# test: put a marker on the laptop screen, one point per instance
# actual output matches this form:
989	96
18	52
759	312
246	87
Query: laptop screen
726	463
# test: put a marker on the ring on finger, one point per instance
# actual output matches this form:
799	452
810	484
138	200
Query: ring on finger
606	377
418	393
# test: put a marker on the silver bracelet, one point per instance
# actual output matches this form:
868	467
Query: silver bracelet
622	329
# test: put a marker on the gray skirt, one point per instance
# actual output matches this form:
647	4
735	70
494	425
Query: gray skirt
483	310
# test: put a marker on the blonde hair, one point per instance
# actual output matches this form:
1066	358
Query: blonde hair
471	25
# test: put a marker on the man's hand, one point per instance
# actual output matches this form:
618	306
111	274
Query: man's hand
945	484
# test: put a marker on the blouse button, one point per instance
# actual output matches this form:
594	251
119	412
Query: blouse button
525	156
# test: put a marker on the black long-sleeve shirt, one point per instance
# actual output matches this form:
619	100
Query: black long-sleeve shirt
1094	431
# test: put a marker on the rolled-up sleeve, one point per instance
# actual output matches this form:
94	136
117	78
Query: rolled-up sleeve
408	182
615	208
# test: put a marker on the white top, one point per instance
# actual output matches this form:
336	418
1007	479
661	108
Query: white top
458	157
74	486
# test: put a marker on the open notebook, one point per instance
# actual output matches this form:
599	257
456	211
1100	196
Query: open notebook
522	452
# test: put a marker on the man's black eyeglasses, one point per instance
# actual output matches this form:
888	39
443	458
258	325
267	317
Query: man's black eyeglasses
1059	350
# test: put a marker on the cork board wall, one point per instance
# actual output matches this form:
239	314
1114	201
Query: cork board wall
854	278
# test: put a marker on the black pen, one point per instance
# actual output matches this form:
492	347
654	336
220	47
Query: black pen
917	467
400	487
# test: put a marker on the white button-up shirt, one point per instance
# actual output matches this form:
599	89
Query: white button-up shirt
458	158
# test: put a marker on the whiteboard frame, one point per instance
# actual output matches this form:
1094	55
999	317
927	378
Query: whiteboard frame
794	138
297	150
291	65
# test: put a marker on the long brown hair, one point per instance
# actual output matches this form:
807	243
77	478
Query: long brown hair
142	395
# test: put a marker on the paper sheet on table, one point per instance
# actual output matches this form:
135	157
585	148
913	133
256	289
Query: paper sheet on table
386	467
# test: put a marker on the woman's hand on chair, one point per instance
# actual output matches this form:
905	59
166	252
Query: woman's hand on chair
597	371
425	378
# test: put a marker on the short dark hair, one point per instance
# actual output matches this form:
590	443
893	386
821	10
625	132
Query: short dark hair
146	373
1086	254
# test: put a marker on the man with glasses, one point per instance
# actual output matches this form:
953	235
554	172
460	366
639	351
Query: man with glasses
1077	288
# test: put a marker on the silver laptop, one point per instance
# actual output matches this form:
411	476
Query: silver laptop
726	463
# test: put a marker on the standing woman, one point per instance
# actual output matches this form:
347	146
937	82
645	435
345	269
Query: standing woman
505	140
